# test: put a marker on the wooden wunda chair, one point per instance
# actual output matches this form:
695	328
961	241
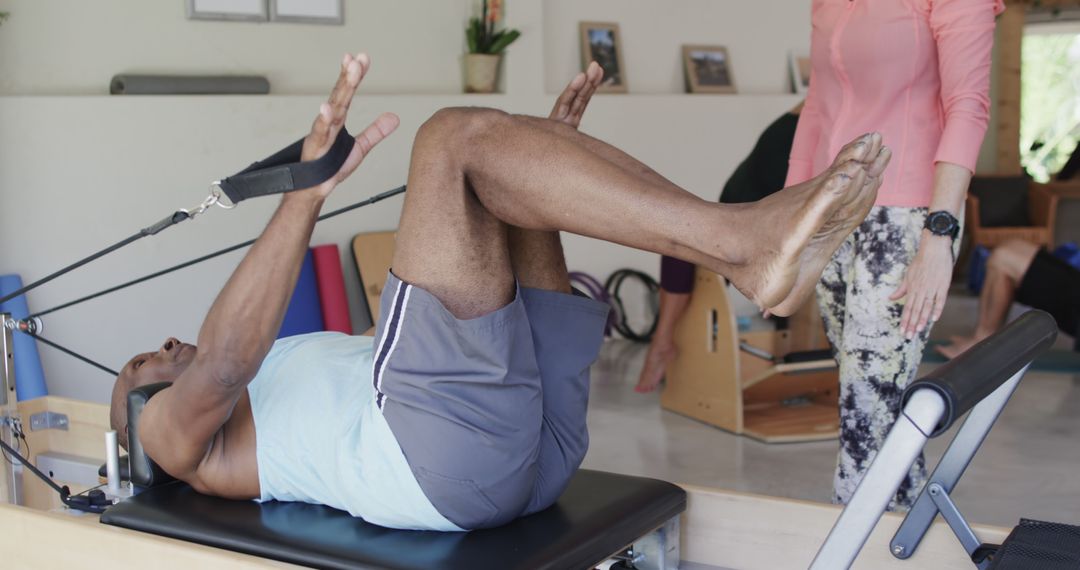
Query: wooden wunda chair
774	386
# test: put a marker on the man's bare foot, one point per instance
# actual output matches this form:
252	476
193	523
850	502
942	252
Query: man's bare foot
824	244
957	346
660	355
571	104
820	212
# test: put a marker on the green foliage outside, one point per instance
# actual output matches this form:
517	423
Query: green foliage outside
1050	102
4	16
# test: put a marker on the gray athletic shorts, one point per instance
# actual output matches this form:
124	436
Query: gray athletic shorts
489	412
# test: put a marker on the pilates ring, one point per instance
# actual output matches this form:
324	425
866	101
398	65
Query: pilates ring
613	286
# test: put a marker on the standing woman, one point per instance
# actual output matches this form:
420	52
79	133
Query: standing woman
917	71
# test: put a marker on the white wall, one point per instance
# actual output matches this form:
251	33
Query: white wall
758	34
70	47
80	170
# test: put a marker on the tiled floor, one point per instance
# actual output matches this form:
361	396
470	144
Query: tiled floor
1029	465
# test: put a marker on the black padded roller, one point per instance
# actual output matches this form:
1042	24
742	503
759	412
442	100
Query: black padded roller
142	470
965	380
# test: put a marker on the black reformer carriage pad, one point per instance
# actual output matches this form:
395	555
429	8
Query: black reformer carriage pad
597	515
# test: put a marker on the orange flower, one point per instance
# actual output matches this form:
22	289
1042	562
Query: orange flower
493	10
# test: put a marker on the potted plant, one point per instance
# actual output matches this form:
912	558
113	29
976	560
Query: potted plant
486	45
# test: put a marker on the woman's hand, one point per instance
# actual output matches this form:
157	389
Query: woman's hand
926	284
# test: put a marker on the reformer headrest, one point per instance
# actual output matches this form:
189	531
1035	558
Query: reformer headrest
144	472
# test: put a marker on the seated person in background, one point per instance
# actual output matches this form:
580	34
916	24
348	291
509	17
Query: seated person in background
467	410
759	175
1023	272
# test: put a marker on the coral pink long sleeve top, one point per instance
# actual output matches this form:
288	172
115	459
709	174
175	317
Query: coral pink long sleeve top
917	71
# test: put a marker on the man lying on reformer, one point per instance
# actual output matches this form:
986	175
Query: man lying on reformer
467	409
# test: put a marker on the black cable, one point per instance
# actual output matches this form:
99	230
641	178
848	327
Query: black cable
22	435
6	458
88	490
613	286
71	267
26	463
147	231
19	436
161	225
71	353
9	459
144	278
372	200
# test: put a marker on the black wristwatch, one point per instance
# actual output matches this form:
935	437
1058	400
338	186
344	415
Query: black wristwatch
942	223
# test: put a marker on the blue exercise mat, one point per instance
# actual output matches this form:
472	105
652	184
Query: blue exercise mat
29	378
304	314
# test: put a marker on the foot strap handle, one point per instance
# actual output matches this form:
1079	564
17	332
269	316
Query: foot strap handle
284	172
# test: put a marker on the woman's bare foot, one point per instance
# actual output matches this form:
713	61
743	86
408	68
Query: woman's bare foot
825	243
957	346
819	213
660	355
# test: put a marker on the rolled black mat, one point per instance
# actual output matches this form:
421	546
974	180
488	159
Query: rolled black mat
130	84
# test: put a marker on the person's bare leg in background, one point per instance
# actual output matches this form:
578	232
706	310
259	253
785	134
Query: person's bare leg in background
1004	271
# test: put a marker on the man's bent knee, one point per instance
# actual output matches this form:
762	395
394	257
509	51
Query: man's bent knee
456	125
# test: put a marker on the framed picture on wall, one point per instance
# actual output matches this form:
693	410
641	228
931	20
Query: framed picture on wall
308	11
800	72
708	69
600	42
250	10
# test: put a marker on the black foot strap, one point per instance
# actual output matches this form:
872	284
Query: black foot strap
283	172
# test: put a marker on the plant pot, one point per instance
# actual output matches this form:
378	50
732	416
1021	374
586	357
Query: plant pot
481	72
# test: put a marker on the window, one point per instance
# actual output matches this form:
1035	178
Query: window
1050	97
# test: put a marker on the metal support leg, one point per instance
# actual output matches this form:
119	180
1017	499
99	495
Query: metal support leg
658	550
9	481
903	444
957	523
951	467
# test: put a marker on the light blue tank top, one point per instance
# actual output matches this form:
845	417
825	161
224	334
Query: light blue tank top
321	439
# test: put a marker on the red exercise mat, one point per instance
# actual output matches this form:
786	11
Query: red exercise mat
335	304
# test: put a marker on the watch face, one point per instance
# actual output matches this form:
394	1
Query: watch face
941	223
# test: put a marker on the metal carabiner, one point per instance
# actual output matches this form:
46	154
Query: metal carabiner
220	199
216	198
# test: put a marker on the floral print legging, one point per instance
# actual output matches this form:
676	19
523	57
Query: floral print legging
875	361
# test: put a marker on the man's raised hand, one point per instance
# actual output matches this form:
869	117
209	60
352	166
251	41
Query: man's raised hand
331	119
571	104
